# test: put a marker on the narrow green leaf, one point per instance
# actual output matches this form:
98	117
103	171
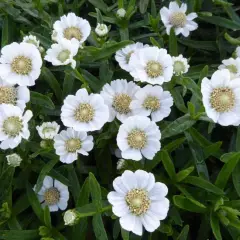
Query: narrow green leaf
75	187
236	178
47	217
19	234
84	194
226	170
184	233
99	16
203	74
68	84
184	173
173	47
120	3
6	31
98	227
233	41
125	234
238	140
41	100
178	99
95	191
143	5
154	42
100	4
184	203
168	164
200	45
174	144
214	221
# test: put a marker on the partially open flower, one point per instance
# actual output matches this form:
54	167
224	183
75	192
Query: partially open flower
70	217
32	40
14	160
121	12
180	65
233	65
48	130
101	30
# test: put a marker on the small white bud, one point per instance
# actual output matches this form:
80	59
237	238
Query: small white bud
101	30
32	40
70	217
121	164
14	160
121	12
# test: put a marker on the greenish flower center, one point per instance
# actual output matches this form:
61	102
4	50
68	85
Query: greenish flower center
178	67
154	69
63	55
151	103
73	144
12	126
73	32
232	68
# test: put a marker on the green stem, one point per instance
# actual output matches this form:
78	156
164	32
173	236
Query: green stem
80	77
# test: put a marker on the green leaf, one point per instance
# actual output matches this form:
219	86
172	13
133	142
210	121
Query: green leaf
47	217
36	206
143	5
98	227
41	100
173	47
174	144
233	41
168	164
120	3
44	172
68	84
178	126
188	205
154	42
226	170
204	184
73	178
125	234
19	234
200	45
86	210
6	31
203	74
184	233
183	174
214	221
99	16
95	191
222	22
238	140
236	178
52	82
178	99
100	4
84	194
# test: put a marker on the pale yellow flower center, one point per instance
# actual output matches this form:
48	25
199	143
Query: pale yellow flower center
179	67
151	103
137	139
121	103
63	55
8	95
73	32
138	201
178	19
21	65
73	144
232	68
154	69
48	129
222	99
12	126
52	196
84	112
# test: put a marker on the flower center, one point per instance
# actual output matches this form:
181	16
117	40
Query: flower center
8	95
137	139
151	103
138	201
178	19
121	103
48	129
128	56
73	144
63	55
222	99
73	32
51	196
154	69
178	67
12	126
32	42
232	68
84	113
21	65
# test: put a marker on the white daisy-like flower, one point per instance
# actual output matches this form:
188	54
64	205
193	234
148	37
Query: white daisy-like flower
70	217
118	95
123	55
101	30
121	164
13	125
48	130
11	94
221	98
72	27
62	53
84	112
121	12
233	65
152	65
176	17
32	40
14	160
138	137
139	201
180	65
152	101
53	194
20	64
54	36
69	143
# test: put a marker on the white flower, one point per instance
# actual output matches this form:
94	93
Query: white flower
70	217
123	55
69	143
20	64
48	130
118	96
138	137
221	98
152	65
139	201
14	160
53	194
62	53
72	27
54	35
10	94
121	12
13	125
32	40
84	112
152	101
233	65
180	65
238	52
175	17
121	164
101	30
